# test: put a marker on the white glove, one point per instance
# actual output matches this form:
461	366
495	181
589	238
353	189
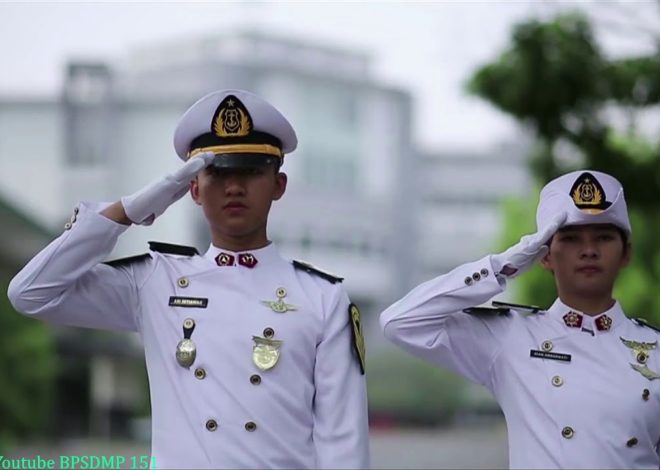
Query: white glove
145	205
529	249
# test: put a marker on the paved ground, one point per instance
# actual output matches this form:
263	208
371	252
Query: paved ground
472	447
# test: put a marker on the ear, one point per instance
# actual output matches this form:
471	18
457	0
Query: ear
546	262
280	185
194	191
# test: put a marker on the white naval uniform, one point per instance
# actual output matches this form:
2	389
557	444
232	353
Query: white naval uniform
308	411
593	412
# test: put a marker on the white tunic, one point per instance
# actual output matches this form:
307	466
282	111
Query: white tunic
579	405
308	411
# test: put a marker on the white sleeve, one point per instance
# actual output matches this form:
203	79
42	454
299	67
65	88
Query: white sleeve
429	322
341	429
66	283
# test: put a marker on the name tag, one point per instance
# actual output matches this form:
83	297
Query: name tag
192	302
550	355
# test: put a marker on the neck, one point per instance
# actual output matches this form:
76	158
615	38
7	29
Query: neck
238	243
591	306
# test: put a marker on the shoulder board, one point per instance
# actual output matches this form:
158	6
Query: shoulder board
486	311
128	260
644	322
170	249
526	308
316	271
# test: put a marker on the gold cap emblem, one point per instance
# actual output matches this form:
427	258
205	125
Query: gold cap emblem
588	194
231	119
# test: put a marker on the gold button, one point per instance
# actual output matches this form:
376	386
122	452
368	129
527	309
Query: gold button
67	226
476	276
484	272
211	425
468	281
642	357
250	426
183	282
645	394
567	432
188	323
255	379
269	332
557	381
200	373
632	442
547	345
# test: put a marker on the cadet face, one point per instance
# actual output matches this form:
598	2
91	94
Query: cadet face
236	201
586	259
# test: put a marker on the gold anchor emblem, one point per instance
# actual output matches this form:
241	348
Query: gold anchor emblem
265	352
279	306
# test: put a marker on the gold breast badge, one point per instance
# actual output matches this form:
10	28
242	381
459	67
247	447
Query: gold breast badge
642	351
265	352
279	306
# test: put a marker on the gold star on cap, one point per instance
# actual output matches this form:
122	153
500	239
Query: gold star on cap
232	118
588	194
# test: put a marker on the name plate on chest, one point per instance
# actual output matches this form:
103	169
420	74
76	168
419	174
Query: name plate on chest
190	302
550	355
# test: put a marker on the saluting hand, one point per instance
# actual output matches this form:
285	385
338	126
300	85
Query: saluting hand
145	205
529	249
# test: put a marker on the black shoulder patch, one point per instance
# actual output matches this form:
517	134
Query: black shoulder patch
170	249
644	322
486	311
115	263
316	271
527	308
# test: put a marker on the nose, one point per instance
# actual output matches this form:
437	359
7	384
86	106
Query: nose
234	185
589	249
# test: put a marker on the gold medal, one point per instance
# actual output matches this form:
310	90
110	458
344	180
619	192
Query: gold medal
265	352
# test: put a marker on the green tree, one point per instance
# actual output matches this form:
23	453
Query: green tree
556	80
27	369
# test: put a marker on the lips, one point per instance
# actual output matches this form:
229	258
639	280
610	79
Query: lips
234	205
589	269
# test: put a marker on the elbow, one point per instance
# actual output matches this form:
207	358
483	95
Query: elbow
17	295
388	326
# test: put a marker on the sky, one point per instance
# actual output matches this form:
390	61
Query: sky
427	48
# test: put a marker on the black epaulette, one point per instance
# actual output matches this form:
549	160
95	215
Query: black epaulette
486	311
526	308
644	322
115	263
316	271
170	249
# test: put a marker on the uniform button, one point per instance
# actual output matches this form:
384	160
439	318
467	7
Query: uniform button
211	425
632	442
183	282
567	432
255	379
476	276
484	272
269	332
67	226
188	323
468	281
280	292
250	426
645	394
200	373
557	381
547	345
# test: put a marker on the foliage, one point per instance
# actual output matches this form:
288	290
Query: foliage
27	369
556	80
